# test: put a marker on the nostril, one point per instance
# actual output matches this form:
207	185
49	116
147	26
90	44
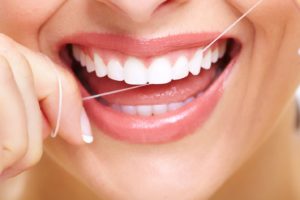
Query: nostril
165	3
168	3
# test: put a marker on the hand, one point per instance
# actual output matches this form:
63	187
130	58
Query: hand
29	106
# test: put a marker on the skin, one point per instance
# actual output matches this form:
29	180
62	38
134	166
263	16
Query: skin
254	149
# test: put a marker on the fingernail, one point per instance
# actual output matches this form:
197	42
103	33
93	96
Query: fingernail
87	135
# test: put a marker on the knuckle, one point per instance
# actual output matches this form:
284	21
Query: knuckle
6	74
26	69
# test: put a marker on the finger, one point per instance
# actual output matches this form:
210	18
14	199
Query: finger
71	109
24	80
46	87
13	125
48	92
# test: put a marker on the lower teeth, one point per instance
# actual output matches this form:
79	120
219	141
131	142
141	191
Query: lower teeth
151	110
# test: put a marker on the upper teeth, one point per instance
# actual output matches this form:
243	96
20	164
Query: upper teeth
160	71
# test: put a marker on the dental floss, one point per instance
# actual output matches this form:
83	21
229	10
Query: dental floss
55	131
60	100
113	92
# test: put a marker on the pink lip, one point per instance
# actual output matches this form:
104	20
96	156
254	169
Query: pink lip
157	129
140	47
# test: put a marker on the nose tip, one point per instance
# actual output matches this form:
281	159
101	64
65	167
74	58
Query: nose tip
137	10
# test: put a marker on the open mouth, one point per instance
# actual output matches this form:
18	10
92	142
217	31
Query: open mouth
184	86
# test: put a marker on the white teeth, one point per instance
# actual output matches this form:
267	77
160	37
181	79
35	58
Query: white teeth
160	71
135	72
151	110
215	55
145	111
175	106
180	68
129	110
206	62
76	53
90	65
101	69
115	70
195	64
82	59
159	109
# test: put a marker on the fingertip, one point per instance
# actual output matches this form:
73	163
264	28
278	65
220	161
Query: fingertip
87	135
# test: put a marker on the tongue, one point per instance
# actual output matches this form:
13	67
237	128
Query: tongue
174	91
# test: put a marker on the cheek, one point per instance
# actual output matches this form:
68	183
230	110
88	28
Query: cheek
267	10
20	17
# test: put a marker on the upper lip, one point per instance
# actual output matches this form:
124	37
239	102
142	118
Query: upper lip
140	47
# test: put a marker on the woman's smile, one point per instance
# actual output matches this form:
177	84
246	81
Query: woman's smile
185	81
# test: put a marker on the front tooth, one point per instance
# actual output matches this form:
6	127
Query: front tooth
160	71
90	66
215	55
144	110
76	53
115	70
135	72
180	70
175	106
82	59
129	109
195	63
206	63
159	109
101	69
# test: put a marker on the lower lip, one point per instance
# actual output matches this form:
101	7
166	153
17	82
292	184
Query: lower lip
158	129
